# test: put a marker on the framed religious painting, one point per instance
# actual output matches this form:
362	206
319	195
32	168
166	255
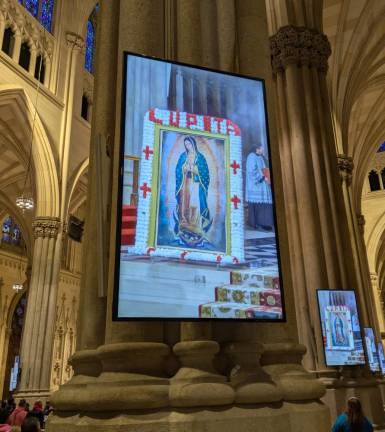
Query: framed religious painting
196	232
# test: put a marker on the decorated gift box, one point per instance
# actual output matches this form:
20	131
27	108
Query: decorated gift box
190	204
236	310
256	278
258	296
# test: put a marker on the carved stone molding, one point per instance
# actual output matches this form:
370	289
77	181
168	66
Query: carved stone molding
46	227
300	46
75	41
345	166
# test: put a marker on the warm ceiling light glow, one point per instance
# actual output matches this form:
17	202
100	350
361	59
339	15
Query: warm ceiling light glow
25	203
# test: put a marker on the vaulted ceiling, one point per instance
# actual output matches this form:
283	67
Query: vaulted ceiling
356	79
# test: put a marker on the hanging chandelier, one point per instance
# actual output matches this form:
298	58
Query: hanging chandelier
17	287
25	203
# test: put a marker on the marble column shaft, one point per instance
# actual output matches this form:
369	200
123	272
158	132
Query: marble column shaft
37	339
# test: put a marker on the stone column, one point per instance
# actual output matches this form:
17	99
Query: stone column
378	302
299	60
17	46
2	27
37	342
32	62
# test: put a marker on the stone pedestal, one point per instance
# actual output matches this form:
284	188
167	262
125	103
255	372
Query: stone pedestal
251	383
197	383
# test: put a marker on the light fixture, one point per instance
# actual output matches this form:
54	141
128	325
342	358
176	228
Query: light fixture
17	287
25	203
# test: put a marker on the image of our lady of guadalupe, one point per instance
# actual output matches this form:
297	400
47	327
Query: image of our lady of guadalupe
338	332
192	216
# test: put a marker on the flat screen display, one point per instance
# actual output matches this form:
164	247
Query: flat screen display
196	236
341	330
381	357
371	349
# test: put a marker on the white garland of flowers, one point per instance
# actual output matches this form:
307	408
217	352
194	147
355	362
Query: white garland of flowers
194	123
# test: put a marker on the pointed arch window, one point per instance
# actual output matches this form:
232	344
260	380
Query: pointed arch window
90	46
8	41
91	40
11	233
374	181
42	10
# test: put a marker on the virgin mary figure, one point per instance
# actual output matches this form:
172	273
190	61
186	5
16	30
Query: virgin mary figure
192	216
339	337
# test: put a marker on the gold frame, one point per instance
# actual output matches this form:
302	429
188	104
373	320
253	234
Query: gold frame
153	226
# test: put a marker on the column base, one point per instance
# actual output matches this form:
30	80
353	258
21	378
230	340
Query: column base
31	396
283	417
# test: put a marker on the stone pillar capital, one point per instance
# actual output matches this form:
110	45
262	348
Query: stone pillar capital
300	46
74	41
46	227
345	166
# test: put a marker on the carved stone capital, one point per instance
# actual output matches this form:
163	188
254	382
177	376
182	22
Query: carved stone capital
345	166
46	227
75	41
374	277
300	46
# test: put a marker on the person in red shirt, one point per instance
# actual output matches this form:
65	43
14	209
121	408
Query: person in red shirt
18	415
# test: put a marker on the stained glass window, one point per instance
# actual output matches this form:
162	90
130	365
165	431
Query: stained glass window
11	233
32	6
382	148
47	13
90	43
41	10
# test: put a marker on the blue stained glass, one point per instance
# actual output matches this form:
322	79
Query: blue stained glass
382	148
90	42
32	7
47	13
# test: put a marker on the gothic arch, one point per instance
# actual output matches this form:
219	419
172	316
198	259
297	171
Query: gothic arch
21	111
356	78
74	183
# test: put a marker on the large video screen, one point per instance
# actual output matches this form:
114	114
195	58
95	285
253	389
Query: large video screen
381	356
340	328
197	235
371	350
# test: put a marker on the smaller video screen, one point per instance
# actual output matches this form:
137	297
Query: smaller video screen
340	325
381	357
371	349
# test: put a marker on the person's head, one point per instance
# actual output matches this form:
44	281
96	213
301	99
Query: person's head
3	416
190	143
355	414
259	149
37	406
30	424
22	403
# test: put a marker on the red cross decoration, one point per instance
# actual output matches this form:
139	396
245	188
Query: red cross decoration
147	151
235	166
235	200
145	189
183	254
219	258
